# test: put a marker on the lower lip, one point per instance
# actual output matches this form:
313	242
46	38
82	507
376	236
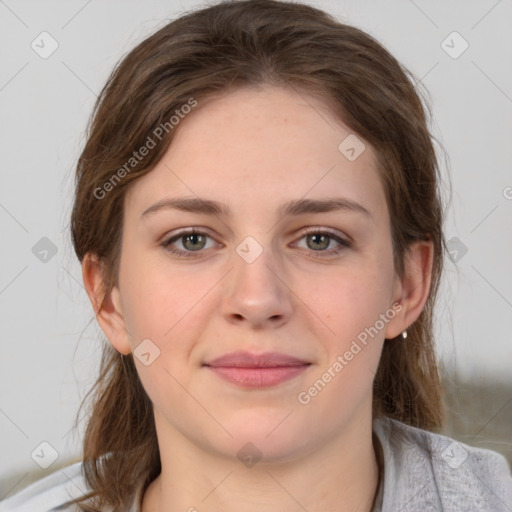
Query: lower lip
258	377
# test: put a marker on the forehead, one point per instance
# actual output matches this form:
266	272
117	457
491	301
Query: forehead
259	148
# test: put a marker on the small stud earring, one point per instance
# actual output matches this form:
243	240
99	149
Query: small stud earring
404	335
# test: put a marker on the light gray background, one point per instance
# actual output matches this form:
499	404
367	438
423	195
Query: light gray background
49	337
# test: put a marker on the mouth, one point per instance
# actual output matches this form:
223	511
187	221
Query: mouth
257	370
258	377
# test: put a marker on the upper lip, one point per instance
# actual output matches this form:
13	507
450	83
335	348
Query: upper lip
243	359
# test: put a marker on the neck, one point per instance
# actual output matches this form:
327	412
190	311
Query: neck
341	474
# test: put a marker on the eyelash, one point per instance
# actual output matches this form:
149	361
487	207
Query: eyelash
344	244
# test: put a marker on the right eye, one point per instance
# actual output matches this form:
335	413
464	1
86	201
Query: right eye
192	241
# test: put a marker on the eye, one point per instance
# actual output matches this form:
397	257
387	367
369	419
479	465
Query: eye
191	241
322	241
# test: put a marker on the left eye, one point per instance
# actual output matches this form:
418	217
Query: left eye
319	241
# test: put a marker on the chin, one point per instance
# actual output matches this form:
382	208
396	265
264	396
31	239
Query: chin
274	436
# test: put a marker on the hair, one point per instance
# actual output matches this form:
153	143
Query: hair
210	52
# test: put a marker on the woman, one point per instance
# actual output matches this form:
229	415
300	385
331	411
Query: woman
259	224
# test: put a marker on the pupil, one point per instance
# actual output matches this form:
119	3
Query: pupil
193	239
318	239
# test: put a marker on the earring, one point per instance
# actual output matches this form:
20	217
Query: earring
404	334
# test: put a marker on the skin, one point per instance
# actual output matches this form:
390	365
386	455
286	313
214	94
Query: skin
255	150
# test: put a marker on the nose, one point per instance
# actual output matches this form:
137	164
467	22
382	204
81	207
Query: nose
256	293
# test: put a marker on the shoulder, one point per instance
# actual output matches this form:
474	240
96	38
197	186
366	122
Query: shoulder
50	493
433	472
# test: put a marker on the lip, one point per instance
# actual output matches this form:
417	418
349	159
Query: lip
257	370
242	359
258	377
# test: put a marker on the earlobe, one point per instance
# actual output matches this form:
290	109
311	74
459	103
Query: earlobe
412	290
106	304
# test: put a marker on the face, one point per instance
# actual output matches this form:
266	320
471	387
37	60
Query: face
271	271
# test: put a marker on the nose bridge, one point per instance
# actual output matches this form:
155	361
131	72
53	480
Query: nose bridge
256	293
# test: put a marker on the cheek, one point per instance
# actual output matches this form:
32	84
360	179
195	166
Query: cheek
171	314
172	310
350	302
156	300
349	299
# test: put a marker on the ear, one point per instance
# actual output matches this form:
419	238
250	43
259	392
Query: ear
412	290
106	305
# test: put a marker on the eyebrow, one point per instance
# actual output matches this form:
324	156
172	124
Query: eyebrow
291	208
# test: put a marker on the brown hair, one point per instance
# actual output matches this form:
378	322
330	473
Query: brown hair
208	52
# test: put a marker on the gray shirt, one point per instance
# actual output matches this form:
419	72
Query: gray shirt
423	472
427	472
